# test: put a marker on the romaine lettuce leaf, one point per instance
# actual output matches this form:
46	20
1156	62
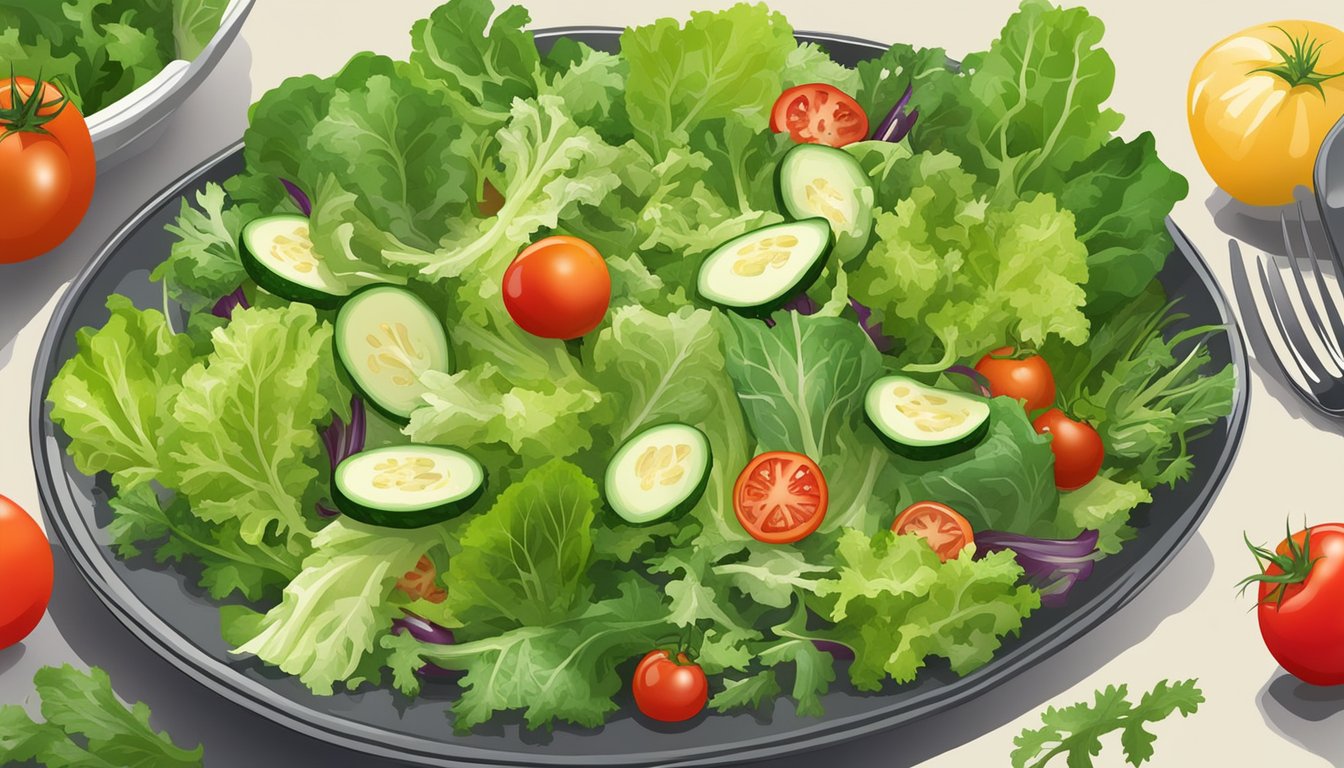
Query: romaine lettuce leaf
1006	483
335	609
114	397
244	441
565	671
536	545
195	22
721	64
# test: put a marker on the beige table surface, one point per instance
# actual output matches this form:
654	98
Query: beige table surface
1188	623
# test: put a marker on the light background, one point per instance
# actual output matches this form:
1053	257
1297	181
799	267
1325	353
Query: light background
1188	623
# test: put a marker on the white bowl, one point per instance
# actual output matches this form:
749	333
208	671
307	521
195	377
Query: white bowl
119	128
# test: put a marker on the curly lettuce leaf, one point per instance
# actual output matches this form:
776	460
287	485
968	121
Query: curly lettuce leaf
955	273
245	439
114	397
480	63
592	85
895	605
1103	505
1006	483
333	612
203	263
536	544
564	671
721	64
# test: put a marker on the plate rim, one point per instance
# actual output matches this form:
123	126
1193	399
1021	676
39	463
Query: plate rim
222	679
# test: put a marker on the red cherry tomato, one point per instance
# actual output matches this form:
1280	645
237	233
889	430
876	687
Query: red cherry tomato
667	690
946	531
1028	379
818	113
47	170
26	573
1302	625
780	497
1077	448
557	288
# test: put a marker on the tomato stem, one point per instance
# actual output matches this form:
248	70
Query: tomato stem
1299	64
1295	566
28	114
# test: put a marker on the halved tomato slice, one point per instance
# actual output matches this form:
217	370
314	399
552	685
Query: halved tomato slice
780	497
946	531
818	113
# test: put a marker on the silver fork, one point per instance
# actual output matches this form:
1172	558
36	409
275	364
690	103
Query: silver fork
1322	378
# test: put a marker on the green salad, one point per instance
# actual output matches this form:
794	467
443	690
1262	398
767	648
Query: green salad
499	368
101	50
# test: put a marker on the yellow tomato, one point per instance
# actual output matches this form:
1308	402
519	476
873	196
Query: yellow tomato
1260	104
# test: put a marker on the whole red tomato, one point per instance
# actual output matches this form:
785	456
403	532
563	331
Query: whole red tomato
1077	448
47	169
1026	378
557	288
25	572
1300	594
669	690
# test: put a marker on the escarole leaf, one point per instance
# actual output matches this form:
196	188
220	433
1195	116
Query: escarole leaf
332	613
245	424
721	64
535	543
551	166
114	397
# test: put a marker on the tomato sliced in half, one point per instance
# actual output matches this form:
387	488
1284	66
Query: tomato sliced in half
780	497
818	113
946	531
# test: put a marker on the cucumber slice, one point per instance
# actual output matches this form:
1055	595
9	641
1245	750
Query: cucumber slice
758	272
386	337
407	486
658	474
816	180
925	422
278	255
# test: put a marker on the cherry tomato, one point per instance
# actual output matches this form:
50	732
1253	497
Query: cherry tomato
1028	379
946	531
818	113
47	170
1300	620
26	572
780	497
1077	448
668	690
557	288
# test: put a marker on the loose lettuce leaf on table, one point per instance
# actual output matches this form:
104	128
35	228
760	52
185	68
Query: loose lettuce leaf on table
333	612
244	443
114	397
721	64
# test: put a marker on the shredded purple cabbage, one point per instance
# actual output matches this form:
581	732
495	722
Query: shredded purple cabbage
229	302
883	342
803	305
300	199
897	124
838	650
981	382
342	441
1053	566
426	631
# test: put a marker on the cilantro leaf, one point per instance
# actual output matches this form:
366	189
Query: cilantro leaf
1075	731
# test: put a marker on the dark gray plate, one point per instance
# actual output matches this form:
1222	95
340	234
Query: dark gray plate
167	612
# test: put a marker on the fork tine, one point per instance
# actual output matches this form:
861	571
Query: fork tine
1290	328
1241	285
1335	335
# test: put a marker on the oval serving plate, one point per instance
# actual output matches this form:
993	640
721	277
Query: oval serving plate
170	615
